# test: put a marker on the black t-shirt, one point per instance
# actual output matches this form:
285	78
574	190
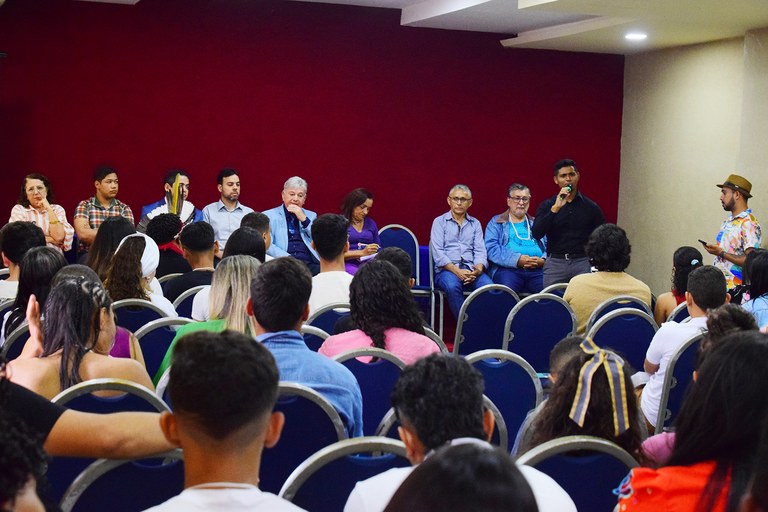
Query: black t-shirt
35	411
179	285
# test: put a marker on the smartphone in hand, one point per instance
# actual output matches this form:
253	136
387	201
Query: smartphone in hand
702	241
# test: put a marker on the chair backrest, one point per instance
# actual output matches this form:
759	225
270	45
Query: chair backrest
587	468
155	337
429	333
313	336
183	303
311	423
5	305
4	273
323	481
677	378
125	485
15	342
535	325
614	303
397	235
325	318
510	382
133	314
482	317
555	289
377	380
627	331
168	277
679	314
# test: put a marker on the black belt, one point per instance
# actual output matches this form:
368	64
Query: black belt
567	256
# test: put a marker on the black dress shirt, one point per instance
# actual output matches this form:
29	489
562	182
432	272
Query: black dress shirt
567	230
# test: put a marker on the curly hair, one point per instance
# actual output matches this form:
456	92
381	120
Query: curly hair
685	259
24	200
76	302
108	237
354	199
380	299
608	248
124	279
21	457
554	421
164	228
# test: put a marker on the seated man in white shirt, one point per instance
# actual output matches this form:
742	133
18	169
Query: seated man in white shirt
16	238
439	401
222	418
330	238
706	290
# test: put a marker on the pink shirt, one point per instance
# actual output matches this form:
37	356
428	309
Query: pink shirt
406	345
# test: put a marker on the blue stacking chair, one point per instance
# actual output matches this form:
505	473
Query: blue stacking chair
555	289
614	303
155	338
677	379
126	486
325	318
15	342
627	331
323	482
535	325
679	314
311	423
132	314
377	380
587	468
510	382
313	336
183	303
481	319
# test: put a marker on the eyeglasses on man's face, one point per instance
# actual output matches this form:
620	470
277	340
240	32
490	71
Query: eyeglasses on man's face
523	200
460	200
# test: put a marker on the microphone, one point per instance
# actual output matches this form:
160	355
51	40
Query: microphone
570	189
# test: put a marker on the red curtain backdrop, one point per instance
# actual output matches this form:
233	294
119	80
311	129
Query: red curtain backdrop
341	95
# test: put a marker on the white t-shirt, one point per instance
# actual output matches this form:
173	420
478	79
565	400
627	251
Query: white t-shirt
373	494
666	341
164	304
200	305
329	288
232	498
8	289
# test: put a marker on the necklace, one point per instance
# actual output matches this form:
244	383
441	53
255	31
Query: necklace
527	228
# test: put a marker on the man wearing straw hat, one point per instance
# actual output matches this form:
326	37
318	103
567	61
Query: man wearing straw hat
739	234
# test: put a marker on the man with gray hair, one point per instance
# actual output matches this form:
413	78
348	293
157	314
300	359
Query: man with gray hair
458	249
291	226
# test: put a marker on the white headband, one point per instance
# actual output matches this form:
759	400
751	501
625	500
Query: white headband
150	258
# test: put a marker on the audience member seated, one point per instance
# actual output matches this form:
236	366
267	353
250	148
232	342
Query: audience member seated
90	213
717	431
74	346
563	351
608	250
109	235
516	258
458	249
22	464
164	229
291	225
222	418
225	215
439	402
176	185
684	261
259	222
199	247
706	290
230	291
38	267
465	478
329	239
132	271
280	304
364	240
35	206
385	313
601	406
16	238
758	287
722	321
244	241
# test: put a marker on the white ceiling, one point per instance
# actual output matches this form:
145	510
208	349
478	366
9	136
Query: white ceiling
584	25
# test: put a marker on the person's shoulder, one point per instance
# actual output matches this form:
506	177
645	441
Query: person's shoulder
375	492
273	212
549	495
209	325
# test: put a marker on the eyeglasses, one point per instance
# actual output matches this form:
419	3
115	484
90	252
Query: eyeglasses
460	200
523	200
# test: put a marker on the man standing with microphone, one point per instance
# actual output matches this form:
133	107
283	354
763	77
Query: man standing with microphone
566	219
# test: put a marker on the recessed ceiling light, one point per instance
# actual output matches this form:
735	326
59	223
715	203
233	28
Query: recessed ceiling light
635	36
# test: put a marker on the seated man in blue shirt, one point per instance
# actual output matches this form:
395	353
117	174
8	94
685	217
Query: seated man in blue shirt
458	249
515	256
184	209
226	214
279	303
291	226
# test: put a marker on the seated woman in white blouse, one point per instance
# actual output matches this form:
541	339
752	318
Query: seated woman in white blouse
34	205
